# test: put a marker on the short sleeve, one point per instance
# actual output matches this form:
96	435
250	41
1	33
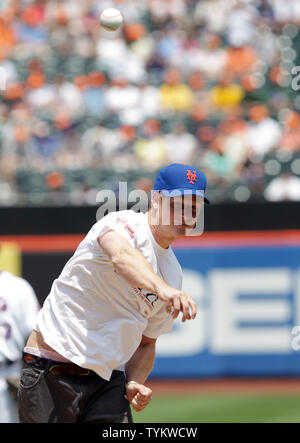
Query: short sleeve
117	222
159	324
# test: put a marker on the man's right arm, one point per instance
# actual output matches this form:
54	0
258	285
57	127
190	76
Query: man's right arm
132	266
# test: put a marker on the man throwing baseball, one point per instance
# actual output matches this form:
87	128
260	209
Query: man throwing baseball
93	345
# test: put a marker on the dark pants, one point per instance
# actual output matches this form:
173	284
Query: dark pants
47	398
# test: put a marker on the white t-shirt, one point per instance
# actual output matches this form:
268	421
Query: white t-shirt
18	310
92	316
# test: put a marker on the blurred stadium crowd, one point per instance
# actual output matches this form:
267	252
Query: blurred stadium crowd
207	82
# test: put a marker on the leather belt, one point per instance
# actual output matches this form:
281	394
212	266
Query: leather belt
55	367
68	369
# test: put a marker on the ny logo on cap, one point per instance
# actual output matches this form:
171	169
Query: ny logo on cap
192	177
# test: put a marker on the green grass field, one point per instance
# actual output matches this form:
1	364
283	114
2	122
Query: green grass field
221	409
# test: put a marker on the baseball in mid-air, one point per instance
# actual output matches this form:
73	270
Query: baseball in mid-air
111	19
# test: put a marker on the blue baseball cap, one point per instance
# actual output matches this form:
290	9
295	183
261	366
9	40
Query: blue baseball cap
180	179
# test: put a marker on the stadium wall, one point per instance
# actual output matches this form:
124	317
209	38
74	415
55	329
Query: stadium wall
77	220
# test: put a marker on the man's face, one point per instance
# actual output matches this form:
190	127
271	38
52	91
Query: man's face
179	215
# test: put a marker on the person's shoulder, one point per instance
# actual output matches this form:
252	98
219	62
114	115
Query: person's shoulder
8	276
17	281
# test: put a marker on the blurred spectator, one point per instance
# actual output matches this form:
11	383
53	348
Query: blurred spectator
99	144
94	94
79	97
144	184
163	10
286	12
240	60
123	98
115	55
210	57
151	149
175	95
240	24
235	143
70	96
55	180
181	146
148	105
213	14
284	187
264	132
226	93
7	37
9	68
291	132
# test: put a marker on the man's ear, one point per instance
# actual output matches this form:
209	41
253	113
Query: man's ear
155	198
154	208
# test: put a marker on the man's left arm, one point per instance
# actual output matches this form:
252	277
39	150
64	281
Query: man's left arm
137	370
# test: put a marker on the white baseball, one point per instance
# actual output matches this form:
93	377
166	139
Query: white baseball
111	19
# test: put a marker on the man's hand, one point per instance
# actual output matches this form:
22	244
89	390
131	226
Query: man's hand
138	395
178	301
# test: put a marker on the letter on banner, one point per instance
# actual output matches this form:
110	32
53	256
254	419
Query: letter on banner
227	310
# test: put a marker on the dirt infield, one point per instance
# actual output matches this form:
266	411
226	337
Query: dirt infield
289	386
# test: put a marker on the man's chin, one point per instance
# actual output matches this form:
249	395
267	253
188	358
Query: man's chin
179	231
